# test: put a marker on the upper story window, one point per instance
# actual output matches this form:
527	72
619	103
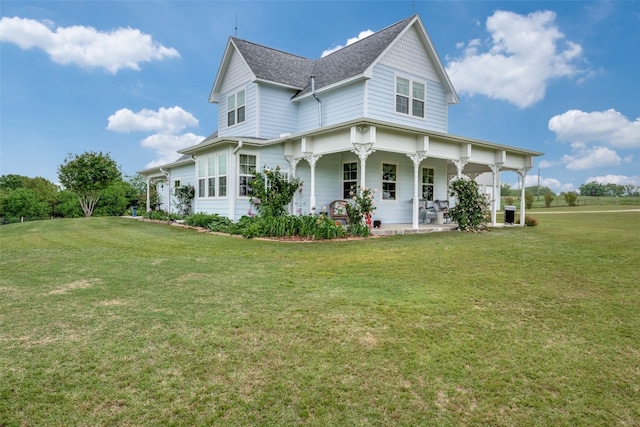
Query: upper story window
410	97
235	108
349	178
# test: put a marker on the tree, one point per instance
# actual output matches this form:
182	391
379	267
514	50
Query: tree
23	202
88	175
571	198
46	191
12	182
272	191
472	208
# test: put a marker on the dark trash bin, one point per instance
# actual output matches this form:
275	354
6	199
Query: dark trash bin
509	214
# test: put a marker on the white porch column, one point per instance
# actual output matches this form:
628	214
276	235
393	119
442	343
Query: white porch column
523	174
495	169
416	158
460	164
293	162
362	150
148	195
312	159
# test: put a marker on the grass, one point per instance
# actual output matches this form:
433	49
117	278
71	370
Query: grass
109	321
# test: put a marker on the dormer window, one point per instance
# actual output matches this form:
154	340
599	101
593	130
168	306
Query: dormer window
235	108
409	97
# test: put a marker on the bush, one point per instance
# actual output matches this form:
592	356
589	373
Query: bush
472	208
199	220
571	198
509	201
528	200
529	221
548	199
272	191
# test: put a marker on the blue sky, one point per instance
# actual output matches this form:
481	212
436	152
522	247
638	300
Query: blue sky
132	78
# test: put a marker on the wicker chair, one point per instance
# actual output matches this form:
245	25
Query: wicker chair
338	211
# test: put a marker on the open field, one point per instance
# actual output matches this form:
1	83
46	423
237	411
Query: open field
111	321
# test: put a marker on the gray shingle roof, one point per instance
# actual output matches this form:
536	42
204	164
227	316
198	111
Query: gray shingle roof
274	65
284	68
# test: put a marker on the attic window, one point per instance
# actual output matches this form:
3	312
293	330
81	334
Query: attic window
235	108
409	97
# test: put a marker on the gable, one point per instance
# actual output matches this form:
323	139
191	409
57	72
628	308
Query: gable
408	55
236	74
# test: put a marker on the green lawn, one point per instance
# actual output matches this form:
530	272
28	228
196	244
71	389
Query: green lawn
110	321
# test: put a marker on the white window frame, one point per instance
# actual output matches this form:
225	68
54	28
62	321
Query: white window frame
425	184
236	111
352	182
246	176
386	195
412	96
210	172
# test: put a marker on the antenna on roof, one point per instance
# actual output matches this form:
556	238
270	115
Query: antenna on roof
236	25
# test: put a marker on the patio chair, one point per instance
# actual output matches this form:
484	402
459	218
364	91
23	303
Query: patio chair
338	211
426	213
443	206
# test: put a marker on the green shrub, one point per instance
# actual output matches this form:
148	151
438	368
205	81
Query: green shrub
528	200
472	208
548	199
529	221
509	201
571	198
272	191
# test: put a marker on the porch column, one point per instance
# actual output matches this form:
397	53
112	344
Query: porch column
362	150
312	159
495	169
148	196
523	174
293	162
416	158
460	164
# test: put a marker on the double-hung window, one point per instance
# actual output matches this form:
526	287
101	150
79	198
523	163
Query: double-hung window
246	171
236	108
389	181
427	183
212	176
349	178
410	96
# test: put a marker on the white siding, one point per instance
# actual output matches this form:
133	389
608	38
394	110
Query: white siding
278	114
249	126
338	105
237	73
409	55
381	100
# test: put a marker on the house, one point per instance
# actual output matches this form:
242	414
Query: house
373	114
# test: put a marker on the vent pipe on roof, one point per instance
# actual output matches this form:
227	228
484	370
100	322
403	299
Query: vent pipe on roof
313	92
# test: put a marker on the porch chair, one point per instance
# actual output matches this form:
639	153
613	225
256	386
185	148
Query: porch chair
338	211
426	212
443	206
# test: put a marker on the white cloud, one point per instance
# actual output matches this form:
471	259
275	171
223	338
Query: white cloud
363	34
524	53
551	183
166	146
165	123
608	127
118	49
165	120
615	179
590	158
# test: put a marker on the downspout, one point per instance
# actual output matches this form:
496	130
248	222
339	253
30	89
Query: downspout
313	92
235	150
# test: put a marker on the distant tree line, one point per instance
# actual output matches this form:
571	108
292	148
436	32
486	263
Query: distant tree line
592	188
89	175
